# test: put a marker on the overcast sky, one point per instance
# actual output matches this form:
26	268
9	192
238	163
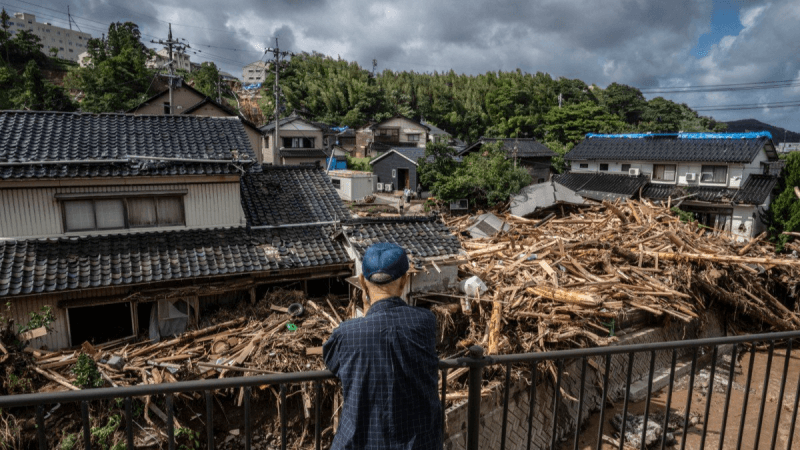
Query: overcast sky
648	44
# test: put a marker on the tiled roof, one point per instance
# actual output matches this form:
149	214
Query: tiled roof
54	265
104	145
601	186
302	153
421	237
754	191
282	195
667	148
526	147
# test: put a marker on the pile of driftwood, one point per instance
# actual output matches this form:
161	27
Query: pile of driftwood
565	282
252	339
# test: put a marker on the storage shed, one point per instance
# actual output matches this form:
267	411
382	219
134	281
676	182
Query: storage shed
352	185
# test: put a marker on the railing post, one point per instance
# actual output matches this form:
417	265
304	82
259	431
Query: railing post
474	398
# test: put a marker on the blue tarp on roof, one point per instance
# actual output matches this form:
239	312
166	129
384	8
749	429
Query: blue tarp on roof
751	135
251	86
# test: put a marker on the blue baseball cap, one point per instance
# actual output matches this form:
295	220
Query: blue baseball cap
387	260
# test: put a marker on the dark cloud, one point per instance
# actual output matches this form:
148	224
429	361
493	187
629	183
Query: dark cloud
636	42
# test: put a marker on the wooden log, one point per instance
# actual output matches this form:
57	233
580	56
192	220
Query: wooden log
564	296
616	211
726	259
494	325
233	368
57	378
316	307
751	243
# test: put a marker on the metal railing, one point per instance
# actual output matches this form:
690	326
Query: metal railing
476	363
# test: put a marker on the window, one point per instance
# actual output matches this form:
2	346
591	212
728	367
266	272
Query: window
664	172
388	132
80	37
604	167
714	174
70	50
584	165
47	30
336	183
58	33
413	138
298	142
122	213
166	108
626	167
61	48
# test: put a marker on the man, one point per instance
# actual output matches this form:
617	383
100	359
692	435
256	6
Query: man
387	363
407	194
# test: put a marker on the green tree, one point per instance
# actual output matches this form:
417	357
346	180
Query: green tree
784	212
486	178
437	166
624	101
560	149
118	79
206	79
34	93
571	123
662	116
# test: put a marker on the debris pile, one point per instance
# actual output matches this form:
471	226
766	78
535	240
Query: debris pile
272	336
634	425
565	282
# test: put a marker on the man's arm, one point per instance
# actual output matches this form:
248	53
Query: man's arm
330	353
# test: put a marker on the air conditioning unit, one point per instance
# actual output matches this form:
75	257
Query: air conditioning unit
691	177
379	187
633	172
387	187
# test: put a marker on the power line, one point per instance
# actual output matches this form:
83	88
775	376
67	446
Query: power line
777	84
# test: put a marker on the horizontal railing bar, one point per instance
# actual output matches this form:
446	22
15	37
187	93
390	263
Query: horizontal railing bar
616	349
34	399
45	398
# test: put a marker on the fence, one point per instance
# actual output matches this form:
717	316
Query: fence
475	364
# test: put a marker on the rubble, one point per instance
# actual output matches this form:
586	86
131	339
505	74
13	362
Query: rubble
634	425
568	282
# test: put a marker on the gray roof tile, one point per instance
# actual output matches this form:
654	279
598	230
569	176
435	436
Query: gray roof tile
281	195
668	147
421	237
56	265
31	137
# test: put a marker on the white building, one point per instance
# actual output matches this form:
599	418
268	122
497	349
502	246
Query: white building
161	57
723	178
255	72
352	185
70	43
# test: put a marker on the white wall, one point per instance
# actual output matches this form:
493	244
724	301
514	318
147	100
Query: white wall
35	212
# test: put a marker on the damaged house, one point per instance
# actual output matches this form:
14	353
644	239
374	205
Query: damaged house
434	252
724	179
126	225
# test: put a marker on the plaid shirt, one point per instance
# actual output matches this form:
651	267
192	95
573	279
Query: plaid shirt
388	366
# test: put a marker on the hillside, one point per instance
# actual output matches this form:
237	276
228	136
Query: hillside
778	134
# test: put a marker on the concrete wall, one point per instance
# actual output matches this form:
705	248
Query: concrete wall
517	425
35	212
383	169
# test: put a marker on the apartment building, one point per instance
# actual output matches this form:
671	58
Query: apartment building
161	57
255	72
70	43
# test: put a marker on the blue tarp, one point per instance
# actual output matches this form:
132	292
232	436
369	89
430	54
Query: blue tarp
251	86
337	164
339	129
751	135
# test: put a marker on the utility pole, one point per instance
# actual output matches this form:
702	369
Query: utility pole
559	99
374	66
277	55
180	47
69	18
